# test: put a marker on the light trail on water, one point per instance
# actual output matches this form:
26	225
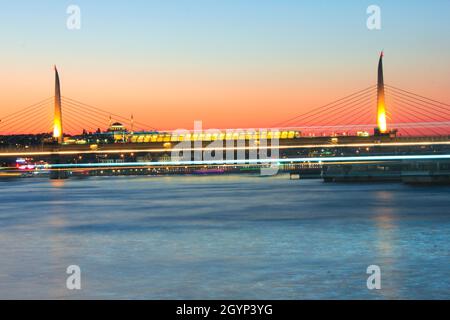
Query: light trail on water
269	161
177	149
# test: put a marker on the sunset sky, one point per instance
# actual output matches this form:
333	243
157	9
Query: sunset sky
229	63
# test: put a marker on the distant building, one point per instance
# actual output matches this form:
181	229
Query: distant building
119	132
117	127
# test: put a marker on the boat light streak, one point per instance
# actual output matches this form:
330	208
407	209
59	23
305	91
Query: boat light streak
269	147
244	161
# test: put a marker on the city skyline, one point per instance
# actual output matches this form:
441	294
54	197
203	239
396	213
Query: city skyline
227	64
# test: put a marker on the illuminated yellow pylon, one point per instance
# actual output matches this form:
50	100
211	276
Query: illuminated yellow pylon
381	111
57	121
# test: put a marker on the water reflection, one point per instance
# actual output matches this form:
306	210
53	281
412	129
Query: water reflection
386	223
57	183
221	238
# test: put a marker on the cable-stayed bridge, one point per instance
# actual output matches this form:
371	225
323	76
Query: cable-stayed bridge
378	123
413	115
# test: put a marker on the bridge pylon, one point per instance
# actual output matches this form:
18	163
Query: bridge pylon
381	103
58	133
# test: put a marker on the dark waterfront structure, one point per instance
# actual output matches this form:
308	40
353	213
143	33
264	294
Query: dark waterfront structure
407	171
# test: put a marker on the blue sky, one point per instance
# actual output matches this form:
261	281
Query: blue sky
308	43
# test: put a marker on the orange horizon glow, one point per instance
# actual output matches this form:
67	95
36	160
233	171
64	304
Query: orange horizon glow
175	102
251	66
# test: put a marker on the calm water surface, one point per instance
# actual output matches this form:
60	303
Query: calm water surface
224	237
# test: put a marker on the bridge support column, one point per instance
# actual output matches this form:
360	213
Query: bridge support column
381	104
58	134
58	174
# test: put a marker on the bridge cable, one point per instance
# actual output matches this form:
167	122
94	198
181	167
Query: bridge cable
341	109
319	109
420	96
433	110
25	109
104	111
